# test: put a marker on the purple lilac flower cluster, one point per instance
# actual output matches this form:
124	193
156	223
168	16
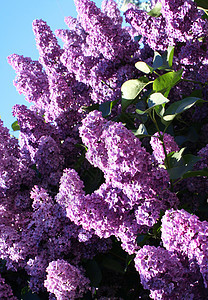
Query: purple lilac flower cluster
166	275
131	178
48	133
157	147
31	79
180	270
103	212
193	57
9	159
125	163
180	21
30	240
185	234
65	281
95	53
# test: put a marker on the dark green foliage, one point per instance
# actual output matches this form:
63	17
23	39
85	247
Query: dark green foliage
15	126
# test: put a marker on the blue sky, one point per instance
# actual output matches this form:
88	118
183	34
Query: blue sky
16	36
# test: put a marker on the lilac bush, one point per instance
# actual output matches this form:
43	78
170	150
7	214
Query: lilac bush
103	196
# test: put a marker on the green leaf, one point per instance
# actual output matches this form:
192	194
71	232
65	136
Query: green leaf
143	67
156	11
202	3
191	135
30	296
141	131
126	118
165	82
203	172
141	104
205	15
156	99
131	89
175	158
180	106
141	239
181	164
93	272
157	61
91	107
170	54
197	93
106	107
160	110
129	259
113	265
15	126
141	112
164	61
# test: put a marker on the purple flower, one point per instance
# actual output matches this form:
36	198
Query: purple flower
166	276
133	183
185	234
104	35
48	46
32	125
153	29
203	163
31	80
65	280
180	22
105	211
157	147
193	57
199	184
110	8
9	160
125	163
182	16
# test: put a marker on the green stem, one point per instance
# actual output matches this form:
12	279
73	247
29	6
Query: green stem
107	85
177	181
156	73
193	81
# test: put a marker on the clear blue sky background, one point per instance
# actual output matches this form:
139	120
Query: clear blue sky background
16	36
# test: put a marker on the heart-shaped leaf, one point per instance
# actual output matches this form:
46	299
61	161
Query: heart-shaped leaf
131	89
180	106
143	67
156	99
